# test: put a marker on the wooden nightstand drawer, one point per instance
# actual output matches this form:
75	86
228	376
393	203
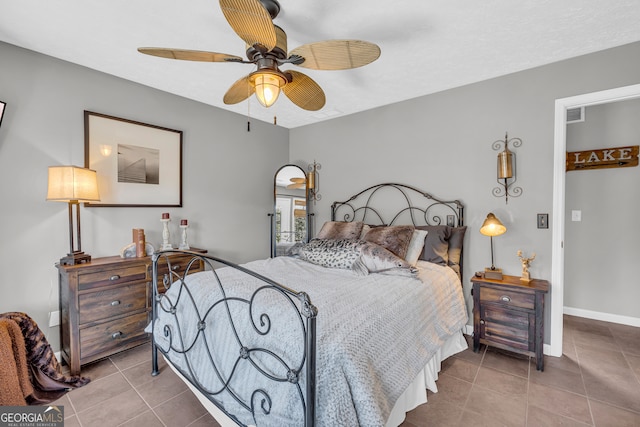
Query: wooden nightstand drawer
112	276
508	297
111	302
109	337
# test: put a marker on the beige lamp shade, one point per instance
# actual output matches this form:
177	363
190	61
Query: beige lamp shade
492	226
72	183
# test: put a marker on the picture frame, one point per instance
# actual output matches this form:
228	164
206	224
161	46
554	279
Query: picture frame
137	164
2	107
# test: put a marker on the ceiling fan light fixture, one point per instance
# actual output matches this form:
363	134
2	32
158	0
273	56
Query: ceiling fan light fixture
267	86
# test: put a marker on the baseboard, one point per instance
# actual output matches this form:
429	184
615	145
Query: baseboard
605	317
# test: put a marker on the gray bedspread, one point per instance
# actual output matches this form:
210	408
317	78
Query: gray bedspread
375	334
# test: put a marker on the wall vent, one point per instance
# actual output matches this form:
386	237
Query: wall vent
575	115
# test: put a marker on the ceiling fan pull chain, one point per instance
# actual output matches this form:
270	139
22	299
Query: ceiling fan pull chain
248	111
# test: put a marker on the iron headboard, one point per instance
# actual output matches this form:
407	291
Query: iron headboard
416	207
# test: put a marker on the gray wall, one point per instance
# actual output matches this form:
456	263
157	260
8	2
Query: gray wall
442	143
227	178
601	251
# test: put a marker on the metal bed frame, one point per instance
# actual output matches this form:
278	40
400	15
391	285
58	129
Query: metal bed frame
437	212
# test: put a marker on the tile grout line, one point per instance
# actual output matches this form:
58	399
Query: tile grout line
138	393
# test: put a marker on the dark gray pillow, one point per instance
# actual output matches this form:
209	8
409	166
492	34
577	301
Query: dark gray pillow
455	247
436	245
455	244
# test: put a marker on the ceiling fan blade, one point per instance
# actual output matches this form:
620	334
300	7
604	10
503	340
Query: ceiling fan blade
337	54
251	21
239	91
304	92
189	55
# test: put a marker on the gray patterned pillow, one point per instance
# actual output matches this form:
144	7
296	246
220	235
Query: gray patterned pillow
357	255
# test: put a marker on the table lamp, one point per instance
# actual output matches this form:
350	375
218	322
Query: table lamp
492	227
73	185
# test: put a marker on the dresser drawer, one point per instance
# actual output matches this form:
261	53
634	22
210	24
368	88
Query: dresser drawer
111	337
179	265
507	297
111	302
112	276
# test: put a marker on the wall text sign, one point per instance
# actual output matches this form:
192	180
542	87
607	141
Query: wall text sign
617	157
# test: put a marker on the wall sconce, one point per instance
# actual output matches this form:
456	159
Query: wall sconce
492	227
73	185
313	182
507	168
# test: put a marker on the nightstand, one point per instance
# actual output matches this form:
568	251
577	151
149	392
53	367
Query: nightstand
105	305
509	314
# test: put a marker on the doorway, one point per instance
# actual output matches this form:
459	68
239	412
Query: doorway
560	148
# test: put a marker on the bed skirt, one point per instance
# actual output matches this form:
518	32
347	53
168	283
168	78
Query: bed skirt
414	396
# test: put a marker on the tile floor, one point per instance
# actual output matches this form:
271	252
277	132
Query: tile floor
595	383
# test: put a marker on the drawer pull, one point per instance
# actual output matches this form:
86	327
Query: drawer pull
114	277
175	267
115	303
116	335
481	321
505	298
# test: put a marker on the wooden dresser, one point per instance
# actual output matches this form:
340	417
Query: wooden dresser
509	314
106	304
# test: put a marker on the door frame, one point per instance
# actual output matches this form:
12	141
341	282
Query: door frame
559	165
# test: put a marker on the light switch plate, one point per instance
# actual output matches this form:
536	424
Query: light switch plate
543	220
576	215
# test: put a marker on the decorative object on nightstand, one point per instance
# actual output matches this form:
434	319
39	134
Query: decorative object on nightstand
165	232
73	184
184	224
526	263
509	314
507	168
492	227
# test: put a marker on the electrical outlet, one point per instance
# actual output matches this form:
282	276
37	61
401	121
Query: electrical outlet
54	318
543	220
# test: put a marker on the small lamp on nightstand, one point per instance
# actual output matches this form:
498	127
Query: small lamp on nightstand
492	227
73	185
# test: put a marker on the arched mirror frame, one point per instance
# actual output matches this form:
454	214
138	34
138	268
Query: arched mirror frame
273	216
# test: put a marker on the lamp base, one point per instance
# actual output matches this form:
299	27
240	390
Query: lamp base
75	258
495	274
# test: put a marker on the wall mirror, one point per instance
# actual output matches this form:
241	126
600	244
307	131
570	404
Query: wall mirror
290	217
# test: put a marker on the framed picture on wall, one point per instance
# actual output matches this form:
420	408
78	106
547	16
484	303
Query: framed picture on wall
137	164
2	105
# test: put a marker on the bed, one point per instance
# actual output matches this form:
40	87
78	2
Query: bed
350	330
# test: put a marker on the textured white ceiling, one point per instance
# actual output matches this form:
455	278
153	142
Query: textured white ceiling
427	46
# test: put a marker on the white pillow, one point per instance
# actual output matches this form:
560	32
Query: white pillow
415	246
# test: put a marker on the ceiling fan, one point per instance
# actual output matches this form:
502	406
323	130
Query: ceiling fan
252	20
